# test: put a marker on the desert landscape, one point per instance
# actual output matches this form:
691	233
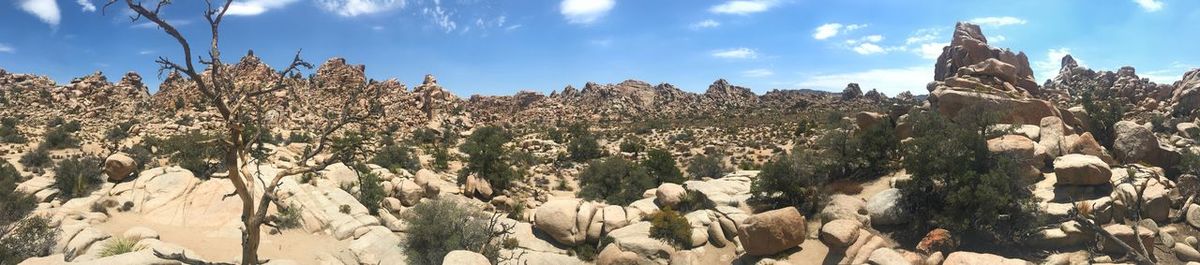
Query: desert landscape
230	160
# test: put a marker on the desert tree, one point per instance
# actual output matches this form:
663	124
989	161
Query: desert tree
244	105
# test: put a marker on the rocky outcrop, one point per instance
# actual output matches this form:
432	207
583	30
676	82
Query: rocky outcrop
969	50
1137	143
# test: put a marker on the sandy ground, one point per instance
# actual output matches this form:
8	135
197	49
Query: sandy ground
295	244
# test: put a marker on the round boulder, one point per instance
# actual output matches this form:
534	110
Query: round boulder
669	194
773	231
119	166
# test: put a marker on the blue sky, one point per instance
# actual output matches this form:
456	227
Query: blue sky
500	47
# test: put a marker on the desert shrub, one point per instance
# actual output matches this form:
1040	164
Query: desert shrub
288	217
633	145
858	155
38	158
441	158
26	238
614	180
556	135
685	136
958	185
662	167
425	136
487	157
118	246
13	204
60	136
120	131
185	120
9	132
671	227
585	252
707	166
193	151
370	190
583	148
436	227
693	201
393	157
790	180
76	177
298	137
1104	112
180	104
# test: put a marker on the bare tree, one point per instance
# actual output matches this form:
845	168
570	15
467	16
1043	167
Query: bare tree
240	105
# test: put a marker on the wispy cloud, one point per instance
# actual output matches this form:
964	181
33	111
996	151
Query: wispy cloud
1170	74
736	53
997	21
924	35
931	50
352	8
585	12
146	52
46	10
86	5
743	7
705	24
254	7
761	72
868	48
5	48
1150	5
891	81
441	17
830	30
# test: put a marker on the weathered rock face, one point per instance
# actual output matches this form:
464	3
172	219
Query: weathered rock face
1077	169
1186	96
969	47
1137	143
463	257
852	92
772	231
971	74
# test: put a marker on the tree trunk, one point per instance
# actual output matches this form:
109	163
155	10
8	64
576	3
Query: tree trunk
250	234
250	242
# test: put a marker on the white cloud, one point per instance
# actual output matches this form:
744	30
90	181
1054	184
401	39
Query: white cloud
930	51
254	7
707	23
7	49
1149	5
585	11
513	27
738	53
1049	66
743	7
86	5
997	38
351	8
146	52
924	35
997	21
761	72
830	30
890	81
46	10
441	17
1168	75
873	38
868	48
604	43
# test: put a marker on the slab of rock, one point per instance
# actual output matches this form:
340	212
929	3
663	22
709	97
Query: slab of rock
1137	143
887	256
1078	169
463	257
841	206
773	231
557	218
840	233
884	208
971	258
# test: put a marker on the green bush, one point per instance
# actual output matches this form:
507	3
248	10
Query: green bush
614	180
77	177
584	148
487	157
370	191
859	155
38	158
118	246
707	166
27	238
671	227
193	151
9	132
13	205
790	180
298	137
1104	112
958	185
585	252
60	136
441	158
633	145
660	165
393	157
436	227
288	217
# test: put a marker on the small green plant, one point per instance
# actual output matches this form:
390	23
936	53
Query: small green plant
26	238
791	180
660	165
670	226
344	209
707	166
436	227
118	246
614	180
38	158
583	148
487	157
60	136
585	252
119	131
288	217
9	132
370	190
76	177
393	157
193	151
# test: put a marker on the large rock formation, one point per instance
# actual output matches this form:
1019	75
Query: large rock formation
969	48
